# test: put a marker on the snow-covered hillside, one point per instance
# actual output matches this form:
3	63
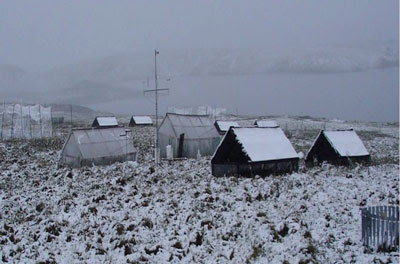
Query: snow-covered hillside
125	75
130	213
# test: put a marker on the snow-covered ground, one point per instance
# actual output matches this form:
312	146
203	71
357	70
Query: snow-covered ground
130	213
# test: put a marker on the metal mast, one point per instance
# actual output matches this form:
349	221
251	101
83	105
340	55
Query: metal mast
156	90
156	84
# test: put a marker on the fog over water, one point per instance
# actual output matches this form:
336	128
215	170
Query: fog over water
334	59
369	95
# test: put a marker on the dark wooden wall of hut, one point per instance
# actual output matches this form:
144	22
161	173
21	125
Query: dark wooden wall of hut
230	151
263	168
231	160
323	151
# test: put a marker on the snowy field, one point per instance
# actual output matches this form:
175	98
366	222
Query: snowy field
130	213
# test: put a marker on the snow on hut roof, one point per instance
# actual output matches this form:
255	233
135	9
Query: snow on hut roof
96	143
346	143
266	123
262	144
142	120
105	121
225	125
193	126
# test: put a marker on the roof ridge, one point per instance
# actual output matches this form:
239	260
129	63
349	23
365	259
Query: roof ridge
187	115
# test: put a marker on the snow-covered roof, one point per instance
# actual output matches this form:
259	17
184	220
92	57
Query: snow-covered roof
346	143
96	143
193	126
105	121
266	123
225	125
142	120
262	144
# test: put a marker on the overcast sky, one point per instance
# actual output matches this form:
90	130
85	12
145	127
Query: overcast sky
44	33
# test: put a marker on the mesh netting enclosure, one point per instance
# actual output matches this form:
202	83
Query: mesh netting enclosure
25	121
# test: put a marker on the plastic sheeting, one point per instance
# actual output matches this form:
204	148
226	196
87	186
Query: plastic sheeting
95	143
201	110
199	134
101	146
225	125
193	126
20	121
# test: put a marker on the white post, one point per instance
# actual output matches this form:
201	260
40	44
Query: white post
169	151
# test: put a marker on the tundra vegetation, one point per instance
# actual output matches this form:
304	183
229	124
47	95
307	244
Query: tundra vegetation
134	213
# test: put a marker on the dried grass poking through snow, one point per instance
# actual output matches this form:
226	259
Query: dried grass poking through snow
127	213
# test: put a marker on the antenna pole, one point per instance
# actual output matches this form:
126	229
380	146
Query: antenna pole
30	123
2	119
41	126
12	122
70	120
156	84
156	91
22	124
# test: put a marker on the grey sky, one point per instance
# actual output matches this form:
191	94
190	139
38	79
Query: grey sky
42	34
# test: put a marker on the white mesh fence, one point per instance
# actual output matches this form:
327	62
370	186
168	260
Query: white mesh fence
31	121
201	110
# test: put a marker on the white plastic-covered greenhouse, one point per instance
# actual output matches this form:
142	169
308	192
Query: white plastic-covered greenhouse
188	135
89	146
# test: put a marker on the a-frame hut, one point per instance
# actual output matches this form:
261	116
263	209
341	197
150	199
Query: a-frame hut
250	151
86	147
188	135
105	122
140	121
339	147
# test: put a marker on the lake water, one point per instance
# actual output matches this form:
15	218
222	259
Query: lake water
369	95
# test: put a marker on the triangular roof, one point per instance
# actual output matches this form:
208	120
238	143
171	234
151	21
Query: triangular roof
266	123
193	126
106	121
142	120
225	125
346	143
96	143
262	144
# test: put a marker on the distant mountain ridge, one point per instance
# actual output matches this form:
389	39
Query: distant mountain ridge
124	75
